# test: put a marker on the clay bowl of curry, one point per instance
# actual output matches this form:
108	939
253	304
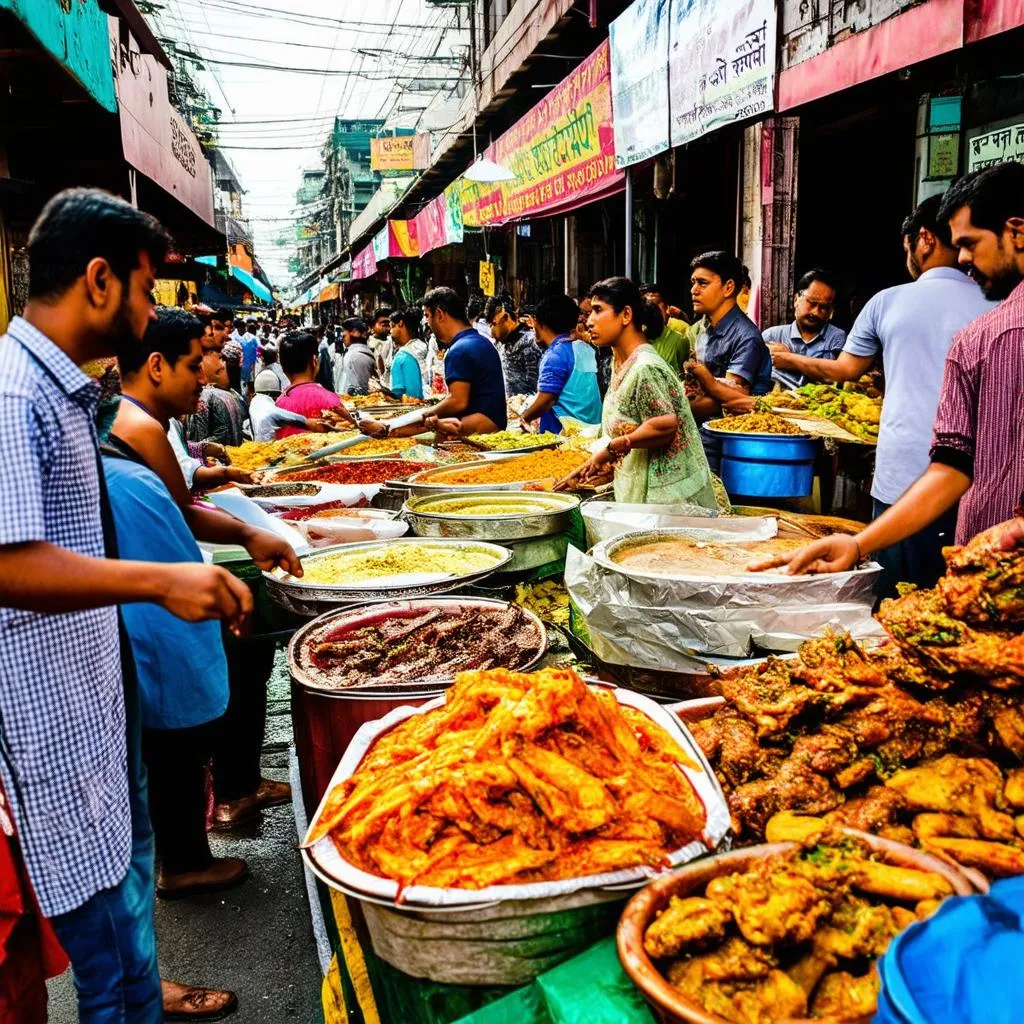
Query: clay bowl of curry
782	933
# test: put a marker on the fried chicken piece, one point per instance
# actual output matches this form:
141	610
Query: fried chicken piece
878	807
856	929
937	824
734	960
827	751
898	883
1007	726
969	786
739	751
767	696
844	996
793	787
772	902
787	827
707	732
685	923
983	586
807	971
993	858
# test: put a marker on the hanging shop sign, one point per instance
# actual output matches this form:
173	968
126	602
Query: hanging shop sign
639	40
994	144
721	65
487	278
400	153
155	139
364	264
562	152
77	35
381	247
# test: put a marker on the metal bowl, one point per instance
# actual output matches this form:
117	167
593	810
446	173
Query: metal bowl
431	481
374	611
497	453
552	515
311	599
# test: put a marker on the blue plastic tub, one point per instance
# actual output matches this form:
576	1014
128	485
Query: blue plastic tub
768	465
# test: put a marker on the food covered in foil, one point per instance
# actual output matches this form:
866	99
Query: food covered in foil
795	935
503	440
553	464
516	778
685	557
397	561
405	644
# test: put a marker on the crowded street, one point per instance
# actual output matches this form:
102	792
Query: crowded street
511	511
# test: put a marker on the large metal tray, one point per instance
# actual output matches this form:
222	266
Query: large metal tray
430	481
372	610
554	518
316	598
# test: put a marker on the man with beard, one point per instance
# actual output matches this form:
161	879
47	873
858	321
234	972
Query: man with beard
977	453
69	715
812	333
910	328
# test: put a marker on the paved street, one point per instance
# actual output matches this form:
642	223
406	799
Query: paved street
256	939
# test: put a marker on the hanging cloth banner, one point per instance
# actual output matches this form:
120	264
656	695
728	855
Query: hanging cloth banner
364	264
562	152
721	65
440	221
403	240
639	40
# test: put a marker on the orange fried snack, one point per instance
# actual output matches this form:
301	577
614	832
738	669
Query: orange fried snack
516	778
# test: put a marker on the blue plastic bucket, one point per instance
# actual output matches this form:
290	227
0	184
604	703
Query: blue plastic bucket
768	465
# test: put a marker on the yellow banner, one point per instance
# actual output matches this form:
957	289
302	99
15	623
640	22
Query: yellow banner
487	279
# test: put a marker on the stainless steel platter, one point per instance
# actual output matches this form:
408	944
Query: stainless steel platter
361	614
315	598
431	481
497	453
549	514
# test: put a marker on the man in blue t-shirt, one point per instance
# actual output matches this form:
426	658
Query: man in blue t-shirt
472	370
567	385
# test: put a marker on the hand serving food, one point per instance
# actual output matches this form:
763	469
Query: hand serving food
837	553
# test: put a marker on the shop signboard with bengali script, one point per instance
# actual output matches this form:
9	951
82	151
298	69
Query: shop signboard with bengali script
721	65
400	152
994	144
562	152
639	40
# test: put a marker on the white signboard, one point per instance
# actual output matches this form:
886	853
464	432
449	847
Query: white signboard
639	51
721	64
989	146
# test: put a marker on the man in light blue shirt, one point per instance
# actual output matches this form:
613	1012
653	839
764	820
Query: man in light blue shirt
911	327
811	333
567	384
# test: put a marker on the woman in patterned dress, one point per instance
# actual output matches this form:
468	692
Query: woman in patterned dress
654	449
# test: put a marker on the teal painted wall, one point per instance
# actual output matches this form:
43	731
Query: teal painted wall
79	39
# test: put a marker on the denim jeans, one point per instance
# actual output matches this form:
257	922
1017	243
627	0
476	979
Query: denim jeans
918	559
110	938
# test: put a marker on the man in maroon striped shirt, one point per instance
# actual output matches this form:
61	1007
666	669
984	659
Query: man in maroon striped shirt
977	455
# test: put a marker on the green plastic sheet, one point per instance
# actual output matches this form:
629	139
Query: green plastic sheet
591	988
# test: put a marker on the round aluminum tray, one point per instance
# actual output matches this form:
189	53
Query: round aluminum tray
316	598
431	481
551	517
373	611
604	554
498	453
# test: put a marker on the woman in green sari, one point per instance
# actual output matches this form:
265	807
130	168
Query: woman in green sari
655	448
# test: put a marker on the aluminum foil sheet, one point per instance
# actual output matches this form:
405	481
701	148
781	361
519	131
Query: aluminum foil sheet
666	625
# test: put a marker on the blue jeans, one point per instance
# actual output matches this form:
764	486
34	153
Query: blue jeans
110	938
918	559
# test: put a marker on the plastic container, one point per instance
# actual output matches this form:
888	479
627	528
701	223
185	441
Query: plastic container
768	465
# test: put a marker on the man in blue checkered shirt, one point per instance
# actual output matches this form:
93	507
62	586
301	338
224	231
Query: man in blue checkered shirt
69	761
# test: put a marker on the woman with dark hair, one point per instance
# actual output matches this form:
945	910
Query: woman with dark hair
654	448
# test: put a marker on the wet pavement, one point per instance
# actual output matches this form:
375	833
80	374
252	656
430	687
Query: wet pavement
256	939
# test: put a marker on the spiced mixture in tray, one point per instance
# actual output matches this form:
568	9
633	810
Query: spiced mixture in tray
432	644
685	557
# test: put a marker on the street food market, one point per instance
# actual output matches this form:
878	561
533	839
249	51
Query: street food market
512	512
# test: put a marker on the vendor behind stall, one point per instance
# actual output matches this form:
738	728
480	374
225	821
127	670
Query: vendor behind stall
472	370
655	449
567	384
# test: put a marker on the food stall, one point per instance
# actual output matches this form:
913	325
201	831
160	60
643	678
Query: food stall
556	752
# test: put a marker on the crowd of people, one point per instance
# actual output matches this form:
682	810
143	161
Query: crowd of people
125	674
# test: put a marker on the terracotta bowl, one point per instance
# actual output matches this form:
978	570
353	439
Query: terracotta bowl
669	1004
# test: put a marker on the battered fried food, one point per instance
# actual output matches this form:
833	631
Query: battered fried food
795	939
982	585
516	778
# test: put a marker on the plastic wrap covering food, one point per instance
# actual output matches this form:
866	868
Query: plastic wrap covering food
663	623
